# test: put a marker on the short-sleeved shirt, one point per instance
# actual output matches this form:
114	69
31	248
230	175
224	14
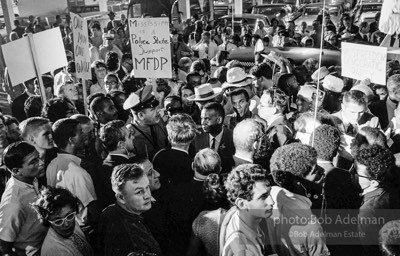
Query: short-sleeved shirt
19	222
65	172
242	240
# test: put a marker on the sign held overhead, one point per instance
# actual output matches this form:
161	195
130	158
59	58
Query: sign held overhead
364	61
151	50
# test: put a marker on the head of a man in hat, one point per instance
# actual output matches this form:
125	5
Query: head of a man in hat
354	104
144	106
108	40
111	15
236	78
306	97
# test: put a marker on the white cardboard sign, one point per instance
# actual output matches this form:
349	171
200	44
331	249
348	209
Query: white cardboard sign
81	47
50	54
364	61
151	50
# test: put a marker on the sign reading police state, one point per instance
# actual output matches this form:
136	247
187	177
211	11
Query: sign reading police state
151	50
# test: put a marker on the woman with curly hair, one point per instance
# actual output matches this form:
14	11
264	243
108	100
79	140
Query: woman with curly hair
57	207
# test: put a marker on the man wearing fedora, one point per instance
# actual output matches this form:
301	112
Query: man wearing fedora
112	23
236	78
204	94
150	133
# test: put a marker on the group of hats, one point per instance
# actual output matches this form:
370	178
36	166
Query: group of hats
328	80
236	78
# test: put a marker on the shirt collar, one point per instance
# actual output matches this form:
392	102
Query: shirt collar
323	162
391	103
179	149
244	158
218	137
70	157
29	94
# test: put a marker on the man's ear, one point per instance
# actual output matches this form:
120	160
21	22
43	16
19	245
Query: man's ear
120	197
31	139
14	171
219	120
120	144
374	183
140	115
241	203
99	114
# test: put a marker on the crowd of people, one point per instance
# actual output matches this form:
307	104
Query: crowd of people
222	159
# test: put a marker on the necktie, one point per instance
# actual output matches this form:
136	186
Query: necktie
365	38
213	144
351	130
153	134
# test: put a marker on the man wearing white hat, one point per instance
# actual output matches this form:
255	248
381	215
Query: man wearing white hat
305	100
204	94
320	74
150	133
236	78
333	90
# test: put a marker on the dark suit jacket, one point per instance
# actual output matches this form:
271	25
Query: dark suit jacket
174	166
121	74
340	191
103	186
226	148
17	107
379	110
359	37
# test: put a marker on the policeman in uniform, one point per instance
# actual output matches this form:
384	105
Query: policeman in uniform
150	132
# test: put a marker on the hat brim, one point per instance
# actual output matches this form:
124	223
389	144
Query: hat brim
237	85
321	77
273	59
217	92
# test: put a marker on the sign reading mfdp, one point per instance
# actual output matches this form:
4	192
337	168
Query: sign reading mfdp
151	50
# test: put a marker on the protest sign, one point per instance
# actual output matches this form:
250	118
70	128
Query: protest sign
50	54
17	55
364	61
151	50
81	47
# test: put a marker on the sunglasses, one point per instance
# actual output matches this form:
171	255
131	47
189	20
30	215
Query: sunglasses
60	222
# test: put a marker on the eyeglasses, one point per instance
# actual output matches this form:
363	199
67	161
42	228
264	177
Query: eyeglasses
60	222
321	95
354	172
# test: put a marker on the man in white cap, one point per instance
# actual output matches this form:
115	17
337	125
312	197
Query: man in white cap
306	97
236	78
109	46
333	90
150	133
